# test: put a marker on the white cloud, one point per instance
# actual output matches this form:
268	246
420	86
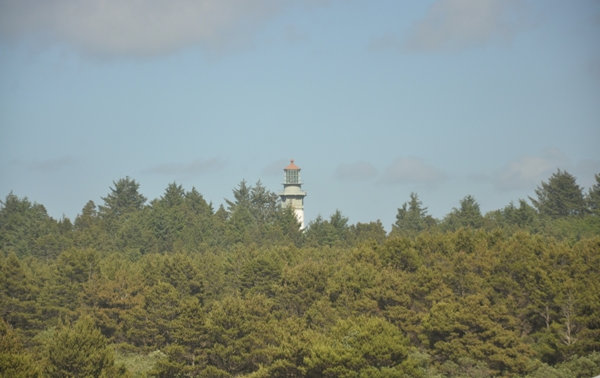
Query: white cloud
528	171
411	170
458	24
134	27
358	171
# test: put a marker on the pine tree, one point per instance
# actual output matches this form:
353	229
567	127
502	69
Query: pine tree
241	196
467	215
14	360
17	294
559	197
412	217
80	350
264	203
593	197
123	198
174	195
27	229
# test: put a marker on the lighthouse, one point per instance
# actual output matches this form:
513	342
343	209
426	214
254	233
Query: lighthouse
292	194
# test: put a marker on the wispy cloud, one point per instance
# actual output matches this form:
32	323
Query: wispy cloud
275	168
47	165
412	170
191	168
586	171
133	27
388	41
528	171
458	24
357	171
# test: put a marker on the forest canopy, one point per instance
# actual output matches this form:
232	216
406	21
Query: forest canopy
174	287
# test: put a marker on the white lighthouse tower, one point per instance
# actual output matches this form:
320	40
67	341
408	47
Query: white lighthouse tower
292	194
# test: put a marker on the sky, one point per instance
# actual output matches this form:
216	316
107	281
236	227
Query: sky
372	99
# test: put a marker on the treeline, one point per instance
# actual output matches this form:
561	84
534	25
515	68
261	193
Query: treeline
174	287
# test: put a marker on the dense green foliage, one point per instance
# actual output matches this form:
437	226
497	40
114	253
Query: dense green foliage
174	287
560	196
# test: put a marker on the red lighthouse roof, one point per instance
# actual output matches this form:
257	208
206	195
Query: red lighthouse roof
292	166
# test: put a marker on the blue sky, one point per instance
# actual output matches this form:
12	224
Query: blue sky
374	100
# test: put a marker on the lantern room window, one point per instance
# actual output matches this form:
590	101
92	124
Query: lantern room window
292	176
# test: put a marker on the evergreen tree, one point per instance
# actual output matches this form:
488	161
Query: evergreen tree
173	196
27	229
88	231
198	221
328	232
340	224
593	197
122	199
111	298
167	218
362	346
373	231
467	215
14	360
261	203
522	216
173	364
60	295
559	197
264	203
196	204
246	293
241	226
80	350
152	323
289	225
17	294
241	196
88	216
189	332
219	226
412	217
239	333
